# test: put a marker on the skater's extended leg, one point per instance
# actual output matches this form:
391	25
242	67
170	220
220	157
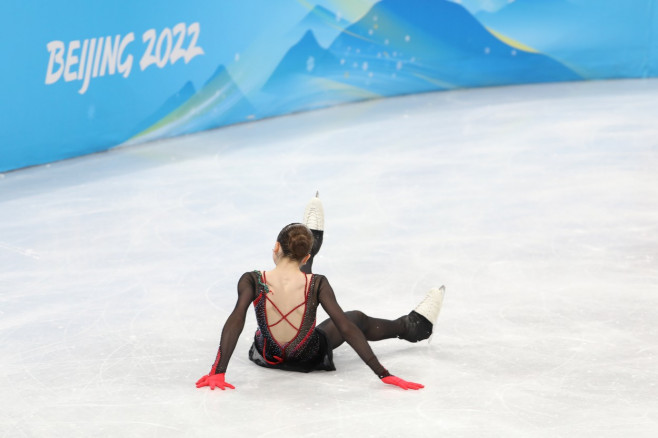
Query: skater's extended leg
374	329
416	326
317	243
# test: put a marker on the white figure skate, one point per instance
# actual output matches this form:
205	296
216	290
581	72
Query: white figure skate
314	214
420	321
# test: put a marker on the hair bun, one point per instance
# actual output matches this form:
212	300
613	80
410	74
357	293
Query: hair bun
296	241
299	246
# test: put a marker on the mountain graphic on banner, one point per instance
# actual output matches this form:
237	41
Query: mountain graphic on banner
598	42
391	50
305	79
175	101
394	50
219	102
324	24
305	57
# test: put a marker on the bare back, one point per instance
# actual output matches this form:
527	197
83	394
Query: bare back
286	304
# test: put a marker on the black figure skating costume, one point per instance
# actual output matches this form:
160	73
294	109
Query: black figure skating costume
308	350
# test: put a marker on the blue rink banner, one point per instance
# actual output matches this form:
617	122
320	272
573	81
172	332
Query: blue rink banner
82	77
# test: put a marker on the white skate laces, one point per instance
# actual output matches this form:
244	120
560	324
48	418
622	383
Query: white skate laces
431	304
314	214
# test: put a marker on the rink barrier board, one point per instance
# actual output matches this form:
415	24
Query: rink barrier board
85	78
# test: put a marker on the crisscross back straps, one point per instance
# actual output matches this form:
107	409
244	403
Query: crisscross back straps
285	317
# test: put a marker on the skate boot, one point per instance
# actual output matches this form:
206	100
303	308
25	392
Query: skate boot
314	220
420	321
314	214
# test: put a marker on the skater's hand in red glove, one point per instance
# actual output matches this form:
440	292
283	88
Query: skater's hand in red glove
392	380
214	381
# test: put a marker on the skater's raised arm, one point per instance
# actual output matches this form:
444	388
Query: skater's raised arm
230	334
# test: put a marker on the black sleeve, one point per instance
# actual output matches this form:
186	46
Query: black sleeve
235	323
350	332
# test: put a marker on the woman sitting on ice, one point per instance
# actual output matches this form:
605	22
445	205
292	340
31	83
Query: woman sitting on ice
286	300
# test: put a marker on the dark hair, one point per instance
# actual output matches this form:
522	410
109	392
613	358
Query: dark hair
296	241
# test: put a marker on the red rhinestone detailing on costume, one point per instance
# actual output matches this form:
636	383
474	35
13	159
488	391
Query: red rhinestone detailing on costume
213	370
278	359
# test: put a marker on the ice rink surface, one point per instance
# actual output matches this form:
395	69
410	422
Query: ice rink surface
536	206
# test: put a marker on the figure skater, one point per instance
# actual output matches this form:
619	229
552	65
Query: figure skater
286	300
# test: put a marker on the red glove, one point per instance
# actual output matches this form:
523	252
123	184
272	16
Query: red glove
392	380
215	380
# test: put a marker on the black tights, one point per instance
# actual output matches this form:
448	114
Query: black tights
374	329
317	243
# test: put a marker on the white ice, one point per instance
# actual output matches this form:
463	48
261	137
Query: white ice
536	206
